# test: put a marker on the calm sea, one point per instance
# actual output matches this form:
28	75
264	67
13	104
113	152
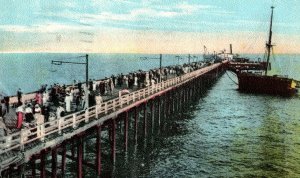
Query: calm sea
223	134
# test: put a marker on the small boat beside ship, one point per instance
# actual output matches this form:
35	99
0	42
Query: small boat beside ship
262	83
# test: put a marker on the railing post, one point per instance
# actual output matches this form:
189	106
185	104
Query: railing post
22	140
38	131
60	122
42	132
74	121
98	150
133	97
96	111
106	111
121	102
86	115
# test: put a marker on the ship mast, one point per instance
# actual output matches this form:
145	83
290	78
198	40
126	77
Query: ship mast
269	43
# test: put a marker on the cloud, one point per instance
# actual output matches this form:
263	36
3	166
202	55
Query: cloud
137	12
41	28
151	12
133	15
191	8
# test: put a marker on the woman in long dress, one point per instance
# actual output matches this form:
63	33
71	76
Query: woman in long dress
68	103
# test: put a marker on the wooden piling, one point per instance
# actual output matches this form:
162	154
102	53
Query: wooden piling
54	163
126	131
63	159
145	119
98	150
113	140
42	164
32	162
135	123
79	157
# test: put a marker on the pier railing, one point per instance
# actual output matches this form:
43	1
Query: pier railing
19	140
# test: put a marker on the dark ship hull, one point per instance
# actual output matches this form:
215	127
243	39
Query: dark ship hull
261	84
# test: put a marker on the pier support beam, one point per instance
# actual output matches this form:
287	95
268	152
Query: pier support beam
113	140
54	163
63	159
43	164
98	150
145	119
21	171
33	171
73	148
126	131
135	123
159	110
152	115
79	157
165	106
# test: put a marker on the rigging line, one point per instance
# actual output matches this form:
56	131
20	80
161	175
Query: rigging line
231	79
278	62
265	55
253	36
75	57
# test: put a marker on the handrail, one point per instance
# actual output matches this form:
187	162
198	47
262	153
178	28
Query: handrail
39	132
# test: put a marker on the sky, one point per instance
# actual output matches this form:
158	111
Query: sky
147	26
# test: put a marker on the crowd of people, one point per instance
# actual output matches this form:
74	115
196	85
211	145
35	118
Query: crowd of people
57	100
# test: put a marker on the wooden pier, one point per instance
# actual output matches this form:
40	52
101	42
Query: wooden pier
31	147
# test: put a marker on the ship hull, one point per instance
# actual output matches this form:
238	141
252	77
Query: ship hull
272	85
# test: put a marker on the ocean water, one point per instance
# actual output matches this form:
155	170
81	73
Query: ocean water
224	133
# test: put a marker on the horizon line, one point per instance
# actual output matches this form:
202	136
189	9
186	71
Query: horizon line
73	52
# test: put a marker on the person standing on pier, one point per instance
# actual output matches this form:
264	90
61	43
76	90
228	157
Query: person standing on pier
20	111
99	100
40	119
2	108
72	94
60	112
29	114
113	80
6	100
112	86
79	85
68	102
45	110
77	101
84	104
19	94
38	98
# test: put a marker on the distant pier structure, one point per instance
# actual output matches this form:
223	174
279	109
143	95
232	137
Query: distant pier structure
64	140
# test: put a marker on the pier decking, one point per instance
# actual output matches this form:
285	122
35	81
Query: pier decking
28	145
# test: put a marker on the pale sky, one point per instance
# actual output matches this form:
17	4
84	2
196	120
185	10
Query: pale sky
147	26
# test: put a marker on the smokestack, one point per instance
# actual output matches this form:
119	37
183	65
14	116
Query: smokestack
230	48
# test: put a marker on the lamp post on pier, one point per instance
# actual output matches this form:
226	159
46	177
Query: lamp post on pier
86	63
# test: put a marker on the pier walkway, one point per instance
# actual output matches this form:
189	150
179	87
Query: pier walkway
19	148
